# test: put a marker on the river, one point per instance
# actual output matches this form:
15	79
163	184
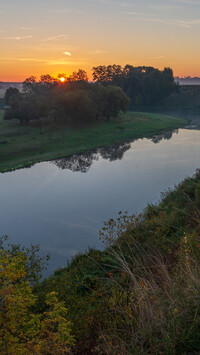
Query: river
62	204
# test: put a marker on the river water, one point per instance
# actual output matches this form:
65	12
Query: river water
62	204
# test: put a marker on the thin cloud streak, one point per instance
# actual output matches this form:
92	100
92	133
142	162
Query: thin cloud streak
55	38
158	57
26	28
194	2
17	38
149	17
63	62
135	13
51	61
65	11
98	51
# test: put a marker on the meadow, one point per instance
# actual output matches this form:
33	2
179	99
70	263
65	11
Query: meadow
23	145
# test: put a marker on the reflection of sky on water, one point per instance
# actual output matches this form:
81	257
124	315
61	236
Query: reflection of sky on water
63	210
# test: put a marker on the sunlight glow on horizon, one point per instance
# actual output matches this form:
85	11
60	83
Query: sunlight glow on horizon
36	38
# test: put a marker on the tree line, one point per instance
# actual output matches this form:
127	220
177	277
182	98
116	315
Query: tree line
147	87
75	99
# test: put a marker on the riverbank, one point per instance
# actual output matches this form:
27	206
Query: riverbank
23	146
145	282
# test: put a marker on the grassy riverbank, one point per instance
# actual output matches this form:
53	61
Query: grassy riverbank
26	145
141	294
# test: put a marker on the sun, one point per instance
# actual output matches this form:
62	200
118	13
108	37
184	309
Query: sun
62	80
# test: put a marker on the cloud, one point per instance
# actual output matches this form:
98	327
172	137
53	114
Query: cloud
55	38
26	28
188	23
48	61
7	59
106	1
135	13
158	57
164	7
63	62
67	53
65	11
140	16
17	38
194	2
32	60
98	51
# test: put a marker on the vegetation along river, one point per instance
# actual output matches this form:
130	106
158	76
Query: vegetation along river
62	204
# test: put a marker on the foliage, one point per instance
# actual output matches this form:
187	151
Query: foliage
74	105
139	295
186	101
153	307
11	95
79	76
78	286
147	87
27	144
72	100
81	100
114	101
22	330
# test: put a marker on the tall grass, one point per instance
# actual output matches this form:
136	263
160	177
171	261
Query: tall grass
156	308
141	295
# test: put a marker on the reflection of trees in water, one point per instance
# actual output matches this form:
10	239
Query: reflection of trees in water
83	162
115	151
78	162
166	135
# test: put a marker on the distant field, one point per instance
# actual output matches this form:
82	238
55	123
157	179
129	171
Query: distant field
26	145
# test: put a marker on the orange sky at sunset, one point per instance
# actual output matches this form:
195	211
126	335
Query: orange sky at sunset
40	37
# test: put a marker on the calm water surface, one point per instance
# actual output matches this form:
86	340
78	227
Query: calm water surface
61	205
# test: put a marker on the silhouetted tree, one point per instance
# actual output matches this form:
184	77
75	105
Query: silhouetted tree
114	101
11	94
79	76
146	86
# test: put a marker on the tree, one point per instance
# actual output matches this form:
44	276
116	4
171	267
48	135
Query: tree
75	105
79	76
47	79
148	84
29	84
13	99
114	101
10	94
23	330
100	74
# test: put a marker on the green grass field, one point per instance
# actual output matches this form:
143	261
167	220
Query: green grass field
27	145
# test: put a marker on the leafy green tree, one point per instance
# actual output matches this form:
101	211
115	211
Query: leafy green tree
114	101
149	84
75	105
23	330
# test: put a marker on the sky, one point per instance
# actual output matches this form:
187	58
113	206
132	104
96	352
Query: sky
60	36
